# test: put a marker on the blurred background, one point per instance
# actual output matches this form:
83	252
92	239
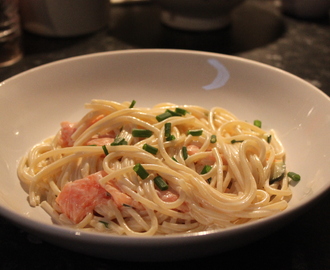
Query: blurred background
258	30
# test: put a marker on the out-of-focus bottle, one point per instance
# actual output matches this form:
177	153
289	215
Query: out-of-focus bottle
10	33
64	18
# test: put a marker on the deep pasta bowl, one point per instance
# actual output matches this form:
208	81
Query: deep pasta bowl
35	102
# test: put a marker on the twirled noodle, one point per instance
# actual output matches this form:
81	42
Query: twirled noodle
215	171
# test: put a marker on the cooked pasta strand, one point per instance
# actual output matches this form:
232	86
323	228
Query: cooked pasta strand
97	175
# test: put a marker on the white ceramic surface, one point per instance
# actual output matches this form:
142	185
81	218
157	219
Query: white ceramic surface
32	105
197	15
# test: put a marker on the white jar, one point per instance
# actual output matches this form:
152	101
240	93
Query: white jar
63	18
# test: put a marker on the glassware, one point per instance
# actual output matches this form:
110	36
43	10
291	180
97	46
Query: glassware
10	33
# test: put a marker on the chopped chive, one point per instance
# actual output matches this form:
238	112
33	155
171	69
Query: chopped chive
174	159
127	205
170	138
269	138
294	176
257	123
119	141
167	128
150	149
213	139
163	116
142	133
106	224
160	183
105	150
92	145
138	168
173	113
132	104
272	181
181	111
168	113
236	141
167	132
184	152
197	132
206	169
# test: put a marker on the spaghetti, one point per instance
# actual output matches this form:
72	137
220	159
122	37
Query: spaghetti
156	171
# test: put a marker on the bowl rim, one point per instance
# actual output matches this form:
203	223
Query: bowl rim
163	51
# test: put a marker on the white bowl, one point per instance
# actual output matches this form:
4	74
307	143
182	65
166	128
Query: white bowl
35	102
197	15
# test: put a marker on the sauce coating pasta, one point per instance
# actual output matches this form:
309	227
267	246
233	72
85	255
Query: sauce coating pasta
155	171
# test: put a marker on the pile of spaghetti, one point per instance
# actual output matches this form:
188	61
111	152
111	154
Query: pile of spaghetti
155	171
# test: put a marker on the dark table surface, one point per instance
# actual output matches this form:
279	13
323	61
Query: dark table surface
259	31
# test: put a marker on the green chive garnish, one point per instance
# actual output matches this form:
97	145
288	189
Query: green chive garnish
280	178
163	116
106	224
167	129
138	168
236	141
167	132
174	159
198	132
160	183
213	139
119	141
170	138
105	150
142	133
150	149
184	152
132	104
181	111
173	113
168	113
294	176
257	123
269	138
206	169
